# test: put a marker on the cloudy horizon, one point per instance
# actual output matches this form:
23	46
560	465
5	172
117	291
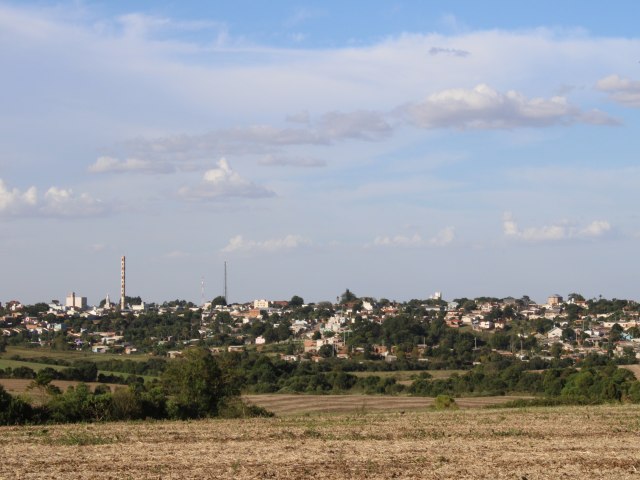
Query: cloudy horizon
417	149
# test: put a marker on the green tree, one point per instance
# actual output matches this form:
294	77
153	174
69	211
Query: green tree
326	351
296	301
196	385
13	410
348	296
219	300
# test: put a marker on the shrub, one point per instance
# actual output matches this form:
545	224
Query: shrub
444	402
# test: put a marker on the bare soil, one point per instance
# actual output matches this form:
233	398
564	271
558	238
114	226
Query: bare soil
542	443
313	404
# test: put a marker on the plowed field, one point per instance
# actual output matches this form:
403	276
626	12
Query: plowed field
542	443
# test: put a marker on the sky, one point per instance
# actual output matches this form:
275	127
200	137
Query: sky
394	148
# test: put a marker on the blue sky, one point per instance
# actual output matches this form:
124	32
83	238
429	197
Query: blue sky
392	148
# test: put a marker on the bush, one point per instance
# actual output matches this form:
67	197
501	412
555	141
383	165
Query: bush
13	411
445	402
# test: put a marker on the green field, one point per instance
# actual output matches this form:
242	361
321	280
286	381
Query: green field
36	367
70	355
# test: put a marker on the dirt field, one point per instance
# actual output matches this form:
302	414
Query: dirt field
305	404
546	443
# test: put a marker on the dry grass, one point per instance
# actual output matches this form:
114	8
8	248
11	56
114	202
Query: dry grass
19	386
315	404
545	443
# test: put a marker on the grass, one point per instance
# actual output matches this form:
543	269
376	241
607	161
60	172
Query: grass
36	367
5	363
542	443
69	355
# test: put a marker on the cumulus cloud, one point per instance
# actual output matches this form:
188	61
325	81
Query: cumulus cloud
286	161
56	202
443	238
107	164
223	182
13	201
399	241
621	90
485	108
555	232
288	242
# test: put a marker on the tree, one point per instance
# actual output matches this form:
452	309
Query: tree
296	301
219	300
196	385
576	297
13	410
348	296
556	350
326	351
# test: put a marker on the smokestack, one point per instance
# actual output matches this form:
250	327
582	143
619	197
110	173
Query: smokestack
122	283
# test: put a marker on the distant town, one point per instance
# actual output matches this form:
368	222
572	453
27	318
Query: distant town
350	328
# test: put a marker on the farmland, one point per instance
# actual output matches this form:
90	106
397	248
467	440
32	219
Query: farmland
281	404
544	443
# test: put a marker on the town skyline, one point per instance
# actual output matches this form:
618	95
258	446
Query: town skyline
392	149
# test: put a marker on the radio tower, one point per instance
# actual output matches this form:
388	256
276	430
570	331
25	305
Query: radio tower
122	283
225	283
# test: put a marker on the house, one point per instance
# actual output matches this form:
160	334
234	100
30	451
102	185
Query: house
235	348
554	300
555	333
99	349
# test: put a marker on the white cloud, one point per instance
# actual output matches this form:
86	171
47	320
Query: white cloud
560	231
223	182
485	108
56	202
621	90
13	201
326	129
399	241
596	228
286	161
64	203
288	242
443	238
107	164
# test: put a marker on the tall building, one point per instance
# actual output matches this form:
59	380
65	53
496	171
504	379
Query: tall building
122	284
75	301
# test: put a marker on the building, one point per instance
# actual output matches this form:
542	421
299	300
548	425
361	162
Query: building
261	304
75	301
554	300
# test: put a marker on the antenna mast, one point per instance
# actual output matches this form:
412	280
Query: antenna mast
225	282
122	284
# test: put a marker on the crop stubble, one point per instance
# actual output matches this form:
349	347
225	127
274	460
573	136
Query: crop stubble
542	443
